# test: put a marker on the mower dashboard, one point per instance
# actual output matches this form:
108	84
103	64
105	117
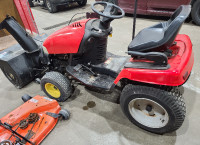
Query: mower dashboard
97	30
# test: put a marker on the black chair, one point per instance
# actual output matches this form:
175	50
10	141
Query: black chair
162	35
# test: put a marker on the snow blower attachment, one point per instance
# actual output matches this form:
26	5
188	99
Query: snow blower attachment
20	62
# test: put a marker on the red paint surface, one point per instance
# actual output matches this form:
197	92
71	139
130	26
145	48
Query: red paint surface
41	128
67	39
179	65
26	15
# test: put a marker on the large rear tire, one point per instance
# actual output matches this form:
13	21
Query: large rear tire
153	109
196	12
56	86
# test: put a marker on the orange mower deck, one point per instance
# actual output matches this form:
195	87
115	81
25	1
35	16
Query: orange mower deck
34	128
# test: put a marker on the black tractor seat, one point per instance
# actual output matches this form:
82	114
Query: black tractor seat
162	35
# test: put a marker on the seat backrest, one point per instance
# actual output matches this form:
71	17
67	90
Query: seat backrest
173	25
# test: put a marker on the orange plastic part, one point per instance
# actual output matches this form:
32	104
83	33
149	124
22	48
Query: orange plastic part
42	127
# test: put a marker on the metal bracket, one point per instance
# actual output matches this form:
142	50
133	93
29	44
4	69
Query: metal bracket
54	115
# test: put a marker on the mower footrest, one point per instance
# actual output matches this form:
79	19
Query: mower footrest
100	81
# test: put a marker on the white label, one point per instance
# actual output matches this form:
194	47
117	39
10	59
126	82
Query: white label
34	100
48	99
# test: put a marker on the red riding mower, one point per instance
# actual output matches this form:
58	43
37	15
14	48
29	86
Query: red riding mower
31	122
159	61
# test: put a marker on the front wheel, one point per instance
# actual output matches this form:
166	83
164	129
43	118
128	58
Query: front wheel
196	12
56	86
153	109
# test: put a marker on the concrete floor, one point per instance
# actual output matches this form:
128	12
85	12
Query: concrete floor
105	124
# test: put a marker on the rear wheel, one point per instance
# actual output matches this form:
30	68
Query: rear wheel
82	2
56	86
196	12
153	109
51	7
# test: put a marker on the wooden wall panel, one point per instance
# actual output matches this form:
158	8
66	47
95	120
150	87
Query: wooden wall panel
7	7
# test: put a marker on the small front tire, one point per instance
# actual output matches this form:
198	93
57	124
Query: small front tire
56	86
153	109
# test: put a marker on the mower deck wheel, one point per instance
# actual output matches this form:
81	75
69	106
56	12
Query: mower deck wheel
64	114
26	97
153	109
56	86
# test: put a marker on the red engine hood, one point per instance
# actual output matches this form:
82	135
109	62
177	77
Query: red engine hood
67	39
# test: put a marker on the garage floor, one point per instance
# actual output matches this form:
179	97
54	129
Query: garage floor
105	124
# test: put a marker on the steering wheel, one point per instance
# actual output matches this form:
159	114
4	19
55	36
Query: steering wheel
107	10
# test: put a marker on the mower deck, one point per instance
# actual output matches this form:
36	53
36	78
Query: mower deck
37	126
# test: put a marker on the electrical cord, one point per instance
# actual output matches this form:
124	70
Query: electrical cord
73	17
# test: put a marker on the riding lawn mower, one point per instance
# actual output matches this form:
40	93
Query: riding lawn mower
159	61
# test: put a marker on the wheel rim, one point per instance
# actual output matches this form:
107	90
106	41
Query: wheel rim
52	90
48	4
148	112
11	77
